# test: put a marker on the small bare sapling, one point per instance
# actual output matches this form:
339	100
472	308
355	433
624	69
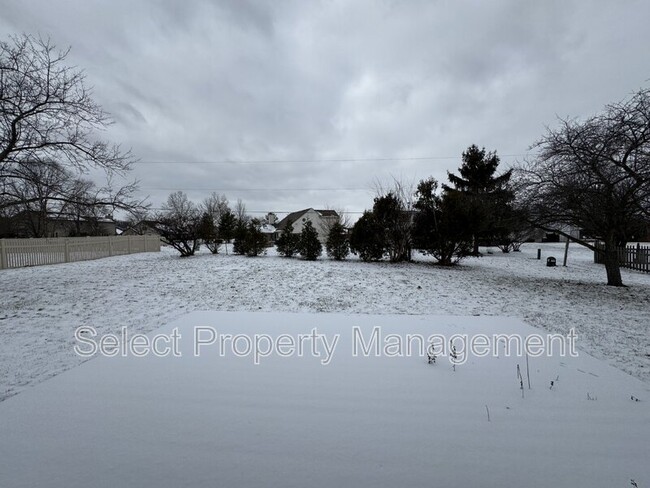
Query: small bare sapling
454	355
521	381
431	355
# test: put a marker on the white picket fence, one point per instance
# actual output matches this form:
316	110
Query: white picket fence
16	253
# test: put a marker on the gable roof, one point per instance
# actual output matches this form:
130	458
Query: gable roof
294	216
291	218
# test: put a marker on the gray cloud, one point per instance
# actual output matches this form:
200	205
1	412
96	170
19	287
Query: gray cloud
247	80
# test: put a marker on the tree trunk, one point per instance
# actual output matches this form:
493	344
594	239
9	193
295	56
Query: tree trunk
612	266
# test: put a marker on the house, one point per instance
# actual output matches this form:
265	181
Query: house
539	235
322	220
30	223
269	232
142	228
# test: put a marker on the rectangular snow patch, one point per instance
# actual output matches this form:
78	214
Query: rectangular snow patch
271	399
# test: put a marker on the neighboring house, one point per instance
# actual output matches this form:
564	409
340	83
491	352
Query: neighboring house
539	235
143	228
322	220
7	227
269	232
271	218
35	224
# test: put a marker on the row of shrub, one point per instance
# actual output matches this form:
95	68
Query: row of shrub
448	222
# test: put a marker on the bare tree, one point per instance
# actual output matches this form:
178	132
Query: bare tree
240	211
393	209
137	221
47	114
46	192
35	196
83	208
212	209
593	175
215	205
179	224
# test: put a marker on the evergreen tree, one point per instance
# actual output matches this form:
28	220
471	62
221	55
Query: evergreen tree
208	232
254	240
441	224
226	228
310	246
240	235
337	244
486	195
391	214
367	238
288	242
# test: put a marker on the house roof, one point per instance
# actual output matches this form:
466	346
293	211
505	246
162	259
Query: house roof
61	217
294	216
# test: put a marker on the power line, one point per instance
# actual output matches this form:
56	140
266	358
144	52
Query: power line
253	189
316	161
264	212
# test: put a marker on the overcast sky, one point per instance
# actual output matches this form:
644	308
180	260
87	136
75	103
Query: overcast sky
221	91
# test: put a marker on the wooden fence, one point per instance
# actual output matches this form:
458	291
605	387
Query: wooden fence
634	257
16	253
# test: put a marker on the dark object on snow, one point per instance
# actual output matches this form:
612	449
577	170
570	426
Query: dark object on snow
550	261
539	254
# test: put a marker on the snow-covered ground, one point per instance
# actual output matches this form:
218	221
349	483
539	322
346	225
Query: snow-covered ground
41	307
380	421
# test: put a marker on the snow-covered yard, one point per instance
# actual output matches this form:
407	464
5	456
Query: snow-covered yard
42	306
380	421
291	421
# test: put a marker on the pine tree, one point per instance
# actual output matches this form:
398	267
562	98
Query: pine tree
310	247
240	234
391	214
337	244
255	240
441	227
288	242
226	228
367	238
486	194
208	232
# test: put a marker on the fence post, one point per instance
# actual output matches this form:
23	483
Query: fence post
128	244
66	251
3	255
